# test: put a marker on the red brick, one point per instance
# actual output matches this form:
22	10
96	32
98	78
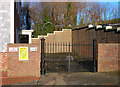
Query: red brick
107	57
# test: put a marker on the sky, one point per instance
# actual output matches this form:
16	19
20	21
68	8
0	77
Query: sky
71	0
113	3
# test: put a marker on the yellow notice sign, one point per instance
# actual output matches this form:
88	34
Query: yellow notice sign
23	53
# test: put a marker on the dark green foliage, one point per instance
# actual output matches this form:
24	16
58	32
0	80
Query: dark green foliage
46	17
75	20
37	31
112	21
25	19
28	20
49	28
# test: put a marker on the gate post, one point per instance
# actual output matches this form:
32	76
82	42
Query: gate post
94	54
69	60
42	57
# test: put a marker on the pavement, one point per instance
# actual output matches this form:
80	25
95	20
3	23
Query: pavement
80	78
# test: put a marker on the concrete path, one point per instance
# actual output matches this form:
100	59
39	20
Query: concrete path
80	78
88	78
57	79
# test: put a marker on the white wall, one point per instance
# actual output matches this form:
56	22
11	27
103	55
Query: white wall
6	23
12	21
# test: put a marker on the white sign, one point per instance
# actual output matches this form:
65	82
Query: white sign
33	48
13	49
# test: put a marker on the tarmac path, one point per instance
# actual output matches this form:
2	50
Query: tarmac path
80	78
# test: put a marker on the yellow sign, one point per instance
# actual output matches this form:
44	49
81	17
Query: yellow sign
23	53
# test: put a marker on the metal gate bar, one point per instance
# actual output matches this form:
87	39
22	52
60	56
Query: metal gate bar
67	57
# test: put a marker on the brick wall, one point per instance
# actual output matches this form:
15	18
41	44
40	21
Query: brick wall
82	36
108	57
64	36
101	36
3	61
30	67
58	36
3	64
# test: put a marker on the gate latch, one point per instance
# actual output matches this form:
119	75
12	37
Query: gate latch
69	57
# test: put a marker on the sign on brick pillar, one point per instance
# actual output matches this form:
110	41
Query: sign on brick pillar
29	66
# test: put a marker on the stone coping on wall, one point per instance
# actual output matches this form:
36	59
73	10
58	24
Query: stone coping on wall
23	44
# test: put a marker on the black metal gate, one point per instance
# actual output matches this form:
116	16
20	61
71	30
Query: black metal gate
68	57
55	57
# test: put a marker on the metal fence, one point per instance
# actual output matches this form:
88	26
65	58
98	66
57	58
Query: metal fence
68	57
